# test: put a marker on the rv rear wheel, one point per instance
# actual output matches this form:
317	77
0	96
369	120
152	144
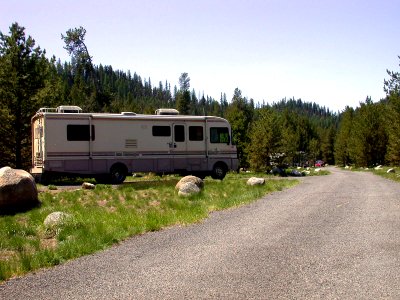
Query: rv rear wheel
218	172
118	174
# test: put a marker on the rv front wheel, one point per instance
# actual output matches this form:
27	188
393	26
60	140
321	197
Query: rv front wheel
218	172
118	174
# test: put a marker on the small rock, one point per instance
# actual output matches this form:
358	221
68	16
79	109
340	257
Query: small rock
255	181
391	171
88	186
56	219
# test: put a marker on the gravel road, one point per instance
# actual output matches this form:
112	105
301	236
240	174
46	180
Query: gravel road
330	237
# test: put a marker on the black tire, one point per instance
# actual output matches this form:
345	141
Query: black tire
218	172
118	174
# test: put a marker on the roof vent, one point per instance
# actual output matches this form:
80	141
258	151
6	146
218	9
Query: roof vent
167	111
69	109
46	110
128	113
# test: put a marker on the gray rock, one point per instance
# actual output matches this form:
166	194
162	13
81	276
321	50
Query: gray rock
17	190
278	171
56	219
296	173
88	186
256	181
188	188
391	171
193	179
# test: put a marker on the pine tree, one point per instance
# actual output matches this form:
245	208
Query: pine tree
265	137
393	129
290	143
183	95
392	89
342	156
240	114
368	139
86	85
23	72
314	150
327	144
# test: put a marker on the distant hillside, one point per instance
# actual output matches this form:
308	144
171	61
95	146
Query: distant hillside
318	115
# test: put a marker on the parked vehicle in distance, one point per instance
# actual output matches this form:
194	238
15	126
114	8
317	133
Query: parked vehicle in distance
319	163
112	146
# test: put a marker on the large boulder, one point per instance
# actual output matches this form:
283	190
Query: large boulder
188	189
278	171
17	190
193	179
256	181
296	173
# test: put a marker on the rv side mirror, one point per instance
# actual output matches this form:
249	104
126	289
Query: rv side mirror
229	140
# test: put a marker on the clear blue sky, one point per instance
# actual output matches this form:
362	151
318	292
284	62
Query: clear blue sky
334	53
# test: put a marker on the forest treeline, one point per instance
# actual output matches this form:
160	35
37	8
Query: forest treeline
289	131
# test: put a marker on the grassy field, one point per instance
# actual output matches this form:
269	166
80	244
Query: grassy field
382	171
109	214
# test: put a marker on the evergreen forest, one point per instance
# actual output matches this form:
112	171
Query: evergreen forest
290	131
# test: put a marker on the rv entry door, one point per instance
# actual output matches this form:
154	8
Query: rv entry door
179	147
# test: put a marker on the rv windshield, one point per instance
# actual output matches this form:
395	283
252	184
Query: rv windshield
219	135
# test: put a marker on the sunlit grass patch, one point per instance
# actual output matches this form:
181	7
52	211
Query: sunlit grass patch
108	214
392	173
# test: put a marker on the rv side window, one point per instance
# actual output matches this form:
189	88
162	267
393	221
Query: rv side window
219	135
196	133
79	133
161	131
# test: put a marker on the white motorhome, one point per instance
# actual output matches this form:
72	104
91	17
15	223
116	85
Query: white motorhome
111	146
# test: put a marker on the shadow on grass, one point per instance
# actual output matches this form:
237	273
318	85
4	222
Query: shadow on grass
11	210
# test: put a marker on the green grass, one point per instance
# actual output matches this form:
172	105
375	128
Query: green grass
382	172
108	215
309	171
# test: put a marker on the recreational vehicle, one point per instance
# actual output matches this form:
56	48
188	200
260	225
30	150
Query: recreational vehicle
111	146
